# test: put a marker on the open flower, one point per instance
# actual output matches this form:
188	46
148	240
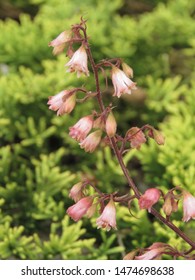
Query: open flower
122	84
149	198
188	206
78	210
136	137
90	143
78	62
63	102
108	217
153	252
80	130
60	42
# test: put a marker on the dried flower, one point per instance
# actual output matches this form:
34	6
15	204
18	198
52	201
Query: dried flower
60	42
149	198
80	130
136	137
90	143
108	217
78	210
78	62
122	84
188	206
63	102
76	192
111	125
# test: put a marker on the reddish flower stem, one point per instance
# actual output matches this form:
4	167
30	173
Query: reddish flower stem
118	153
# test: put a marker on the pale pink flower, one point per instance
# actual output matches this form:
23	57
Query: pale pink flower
63	102
153	252
60	42
80	130
149	198
188	206
78	62
76	192
136	137
108	217
122	84
111	125
90	143
78	210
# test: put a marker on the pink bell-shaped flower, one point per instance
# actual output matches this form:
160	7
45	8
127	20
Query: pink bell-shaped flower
78	62
122	84
90	143
108	217
80	130
188	206
59	43
63	102
78	210
149	198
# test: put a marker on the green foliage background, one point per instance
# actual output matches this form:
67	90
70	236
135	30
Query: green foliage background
39	162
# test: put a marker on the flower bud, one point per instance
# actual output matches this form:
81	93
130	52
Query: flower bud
170	205
111	125
76	192
157	136
127	69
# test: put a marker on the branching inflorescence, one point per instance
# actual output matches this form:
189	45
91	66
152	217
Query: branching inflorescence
93	128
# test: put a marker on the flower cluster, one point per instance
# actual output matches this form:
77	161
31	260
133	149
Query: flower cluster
85	205
89	130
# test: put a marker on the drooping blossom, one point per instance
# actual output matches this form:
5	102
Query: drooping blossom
107	219
111	125
59	43
63	102
90	143
149	198
136	137
78	62
122	84
188	206
76	192
80	130
78	210
153	252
